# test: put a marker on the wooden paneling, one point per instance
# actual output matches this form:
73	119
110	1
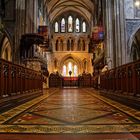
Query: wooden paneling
55	80
125	78
15	79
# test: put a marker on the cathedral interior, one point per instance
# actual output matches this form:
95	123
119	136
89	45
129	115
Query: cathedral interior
69	70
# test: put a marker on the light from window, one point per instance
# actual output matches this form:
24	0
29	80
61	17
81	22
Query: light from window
84	27
64	70
63	25
137	8
137	3
75	70
77	25
70	24
56	27
69	66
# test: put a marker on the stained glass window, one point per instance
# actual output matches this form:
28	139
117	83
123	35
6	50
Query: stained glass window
63	25
84	27
77	25
64	70
69	66
56	27
70	24
75	70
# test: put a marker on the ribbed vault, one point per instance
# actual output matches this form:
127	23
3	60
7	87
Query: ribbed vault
57	7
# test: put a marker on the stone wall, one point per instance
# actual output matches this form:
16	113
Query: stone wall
132	25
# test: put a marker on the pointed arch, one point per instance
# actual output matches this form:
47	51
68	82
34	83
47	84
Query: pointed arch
72	45
83	47
76	59
80	44
68	45
56	45
61	45
6	51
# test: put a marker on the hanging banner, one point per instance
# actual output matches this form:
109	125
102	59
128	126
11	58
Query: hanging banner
97	33
43	30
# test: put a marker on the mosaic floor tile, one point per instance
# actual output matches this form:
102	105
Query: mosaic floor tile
70	111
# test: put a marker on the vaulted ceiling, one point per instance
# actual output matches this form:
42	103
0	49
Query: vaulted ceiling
57	7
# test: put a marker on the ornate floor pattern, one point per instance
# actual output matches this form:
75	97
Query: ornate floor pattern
71	111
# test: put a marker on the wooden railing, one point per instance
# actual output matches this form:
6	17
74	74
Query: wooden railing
16	79
55	80
125	78
70	81
85	80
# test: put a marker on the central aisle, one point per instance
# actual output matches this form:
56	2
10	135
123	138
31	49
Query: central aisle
70	111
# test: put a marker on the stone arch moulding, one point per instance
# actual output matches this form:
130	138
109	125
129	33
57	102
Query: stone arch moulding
6	50
55	64
130	40
6	45
84	65
70	56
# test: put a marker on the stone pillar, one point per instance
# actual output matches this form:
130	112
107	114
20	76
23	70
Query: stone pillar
120	32
123	35
109	36
65	44
117	31
35	16
129	16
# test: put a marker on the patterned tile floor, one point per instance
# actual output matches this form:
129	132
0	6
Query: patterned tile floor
71	111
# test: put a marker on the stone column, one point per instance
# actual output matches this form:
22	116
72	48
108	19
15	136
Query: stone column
129	15
35	16
64	45
123	36
117	31
109	36
120	32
